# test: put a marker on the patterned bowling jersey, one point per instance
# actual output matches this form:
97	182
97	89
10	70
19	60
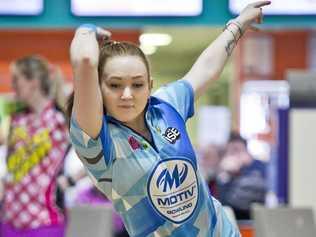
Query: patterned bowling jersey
37	145
155	186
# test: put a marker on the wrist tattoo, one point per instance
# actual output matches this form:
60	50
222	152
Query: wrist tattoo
230	47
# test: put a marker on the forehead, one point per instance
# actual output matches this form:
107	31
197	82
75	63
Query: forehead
13	67
15	71
125	66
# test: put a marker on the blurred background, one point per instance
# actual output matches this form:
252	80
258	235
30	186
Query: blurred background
254	130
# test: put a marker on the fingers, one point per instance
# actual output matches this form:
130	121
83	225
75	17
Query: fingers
259	19
100	32
253	28
103	33
261	4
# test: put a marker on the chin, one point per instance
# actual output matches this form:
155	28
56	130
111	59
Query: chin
125	118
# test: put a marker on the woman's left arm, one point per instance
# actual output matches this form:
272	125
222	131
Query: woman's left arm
211	62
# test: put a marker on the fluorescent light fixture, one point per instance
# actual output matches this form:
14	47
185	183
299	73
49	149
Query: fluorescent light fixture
155	39
148	49
136	7
21	7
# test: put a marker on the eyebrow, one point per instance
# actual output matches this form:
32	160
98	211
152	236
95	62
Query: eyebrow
120	78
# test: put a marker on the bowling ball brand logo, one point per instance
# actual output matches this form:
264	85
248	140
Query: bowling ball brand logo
173	189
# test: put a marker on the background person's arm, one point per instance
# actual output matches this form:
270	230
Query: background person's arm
84	55
211	62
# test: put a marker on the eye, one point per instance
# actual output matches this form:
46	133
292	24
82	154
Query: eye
138	85
114	85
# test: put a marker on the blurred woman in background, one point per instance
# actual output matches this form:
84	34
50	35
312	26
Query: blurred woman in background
36	146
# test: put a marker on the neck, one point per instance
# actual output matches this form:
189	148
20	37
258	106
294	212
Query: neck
38	102
139	125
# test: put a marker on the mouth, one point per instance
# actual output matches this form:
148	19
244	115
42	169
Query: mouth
126	106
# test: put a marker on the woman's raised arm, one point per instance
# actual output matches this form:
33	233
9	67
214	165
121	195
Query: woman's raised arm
84	55
211	62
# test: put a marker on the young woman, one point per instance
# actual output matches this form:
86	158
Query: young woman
36	146
134	145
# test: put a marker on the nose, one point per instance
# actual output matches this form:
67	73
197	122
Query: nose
127	93
14	85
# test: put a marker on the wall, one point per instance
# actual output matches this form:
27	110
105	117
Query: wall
288	49
51	44
302	157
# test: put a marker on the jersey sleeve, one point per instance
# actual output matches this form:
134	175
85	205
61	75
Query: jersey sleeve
179	95
90	151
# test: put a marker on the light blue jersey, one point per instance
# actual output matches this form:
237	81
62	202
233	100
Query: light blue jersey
156	187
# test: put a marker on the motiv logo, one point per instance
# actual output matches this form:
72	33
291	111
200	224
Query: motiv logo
173	189
167	180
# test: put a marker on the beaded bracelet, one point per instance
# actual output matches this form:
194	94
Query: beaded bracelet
236	23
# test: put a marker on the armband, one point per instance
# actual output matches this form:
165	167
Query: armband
91	27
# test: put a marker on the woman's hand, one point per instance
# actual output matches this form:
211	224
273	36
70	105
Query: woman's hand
84	56
102	33
85	45
252	13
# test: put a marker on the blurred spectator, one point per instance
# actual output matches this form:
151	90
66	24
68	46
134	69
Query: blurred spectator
209	160
59	89
241	179
35	149
2	170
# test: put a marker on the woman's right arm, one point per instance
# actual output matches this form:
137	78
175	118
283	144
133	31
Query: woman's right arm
84	55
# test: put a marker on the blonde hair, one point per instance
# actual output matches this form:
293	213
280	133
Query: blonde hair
35	67
111	49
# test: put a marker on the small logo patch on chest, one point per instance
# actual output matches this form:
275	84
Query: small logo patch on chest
134	143
171	134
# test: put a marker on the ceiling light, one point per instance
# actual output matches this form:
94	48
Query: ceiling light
148	49
155	39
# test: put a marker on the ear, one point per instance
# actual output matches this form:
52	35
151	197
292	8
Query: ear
151	84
